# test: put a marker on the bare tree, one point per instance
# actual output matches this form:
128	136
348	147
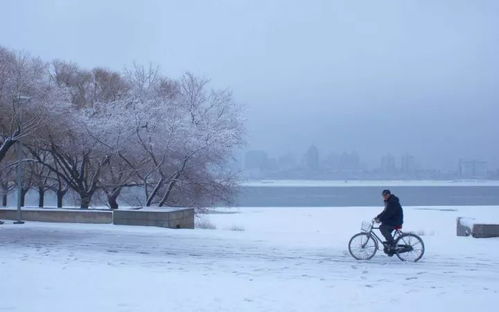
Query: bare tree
21	78
75	158
116	176
120	171
78	166
215	128
102	130
110	92
41	176
58	186
181	126
7	183
83	150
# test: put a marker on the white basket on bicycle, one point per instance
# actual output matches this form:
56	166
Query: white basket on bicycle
366	226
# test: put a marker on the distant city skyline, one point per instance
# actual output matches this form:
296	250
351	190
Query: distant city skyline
311	163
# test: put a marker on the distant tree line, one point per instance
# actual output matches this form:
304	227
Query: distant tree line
100	131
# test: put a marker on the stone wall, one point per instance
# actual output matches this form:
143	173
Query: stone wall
59	215
182	218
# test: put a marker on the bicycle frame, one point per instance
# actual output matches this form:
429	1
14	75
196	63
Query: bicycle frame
371	232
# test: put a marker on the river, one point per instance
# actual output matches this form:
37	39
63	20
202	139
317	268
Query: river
365	193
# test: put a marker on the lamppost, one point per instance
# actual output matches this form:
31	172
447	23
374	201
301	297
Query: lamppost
19	154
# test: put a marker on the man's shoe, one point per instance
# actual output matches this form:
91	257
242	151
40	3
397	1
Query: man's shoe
391	251
388	249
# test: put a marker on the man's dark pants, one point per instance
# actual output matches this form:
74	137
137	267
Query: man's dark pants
387	230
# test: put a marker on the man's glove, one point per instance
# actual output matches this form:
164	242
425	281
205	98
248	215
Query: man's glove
376	220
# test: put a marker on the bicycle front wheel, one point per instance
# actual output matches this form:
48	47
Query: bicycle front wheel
410	247
362	246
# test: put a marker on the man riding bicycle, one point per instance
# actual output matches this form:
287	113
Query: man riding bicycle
391	218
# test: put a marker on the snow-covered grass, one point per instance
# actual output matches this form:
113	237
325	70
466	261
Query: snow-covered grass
285	259
202	222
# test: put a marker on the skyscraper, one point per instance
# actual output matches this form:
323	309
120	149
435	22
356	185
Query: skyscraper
311	158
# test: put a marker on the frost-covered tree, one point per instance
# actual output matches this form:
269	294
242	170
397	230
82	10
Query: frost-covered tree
101	130
23	91
77	158
59	186
182	127
114	137
40	176
28	96
7	178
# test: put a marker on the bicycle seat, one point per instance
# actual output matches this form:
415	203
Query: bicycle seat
398	227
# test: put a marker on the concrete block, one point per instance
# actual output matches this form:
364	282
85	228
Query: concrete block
463	227
485	230
170	218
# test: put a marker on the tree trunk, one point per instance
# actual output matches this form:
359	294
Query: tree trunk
113	203
170	187
151	197
60	197
4	199
112	198
168	192
85	201
41	197
5	146
23	196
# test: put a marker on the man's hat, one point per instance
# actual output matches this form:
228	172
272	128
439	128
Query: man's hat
386	192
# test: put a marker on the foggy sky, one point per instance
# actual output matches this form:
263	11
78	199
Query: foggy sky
375	77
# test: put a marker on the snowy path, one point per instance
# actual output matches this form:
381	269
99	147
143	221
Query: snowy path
270	266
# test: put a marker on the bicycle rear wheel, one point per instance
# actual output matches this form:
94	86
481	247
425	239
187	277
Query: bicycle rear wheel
410	247
362	246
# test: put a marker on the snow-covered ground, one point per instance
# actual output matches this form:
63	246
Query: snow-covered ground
257	259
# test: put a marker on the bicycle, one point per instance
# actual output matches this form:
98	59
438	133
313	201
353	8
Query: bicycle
364	245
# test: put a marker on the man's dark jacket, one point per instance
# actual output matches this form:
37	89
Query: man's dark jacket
392	215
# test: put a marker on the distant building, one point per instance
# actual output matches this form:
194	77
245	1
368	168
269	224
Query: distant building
331	161
472	169
270	164
349	162
407	164
286	162
388	164
494	174
311	158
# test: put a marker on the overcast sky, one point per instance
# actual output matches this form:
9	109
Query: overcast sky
374	77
